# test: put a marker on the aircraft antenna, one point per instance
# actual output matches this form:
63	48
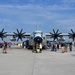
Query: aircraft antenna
37	27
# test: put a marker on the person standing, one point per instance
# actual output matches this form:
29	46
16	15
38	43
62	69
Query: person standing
55	47
58	46
40	47
63	48
52	47
5	47
70	46
10	45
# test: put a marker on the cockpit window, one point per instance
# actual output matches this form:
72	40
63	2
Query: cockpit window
38	33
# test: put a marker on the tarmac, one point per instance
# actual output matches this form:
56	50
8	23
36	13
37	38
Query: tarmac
19	61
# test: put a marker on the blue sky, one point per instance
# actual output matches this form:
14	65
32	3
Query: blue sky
48	14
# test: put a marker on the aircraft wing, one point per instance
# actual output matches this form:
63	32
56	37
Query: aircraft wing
27	35
12	34
48	35
55	36
64	34
19	36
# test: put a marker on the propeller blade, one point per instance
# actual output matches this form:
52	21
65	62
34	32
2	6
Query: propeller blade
51	33
21	31
57	39
59	34
19	34
2	38
54	38
57	31
18	31
21	39
54	31
69	33
14	36
4	35
15	33
72	31
2	30
18	39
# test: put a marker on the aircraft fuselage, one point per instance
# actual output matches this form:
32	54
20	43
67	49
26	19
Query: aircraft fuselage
37	37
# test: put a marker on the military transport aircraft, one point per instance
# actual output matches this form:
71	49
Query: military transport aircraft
37	36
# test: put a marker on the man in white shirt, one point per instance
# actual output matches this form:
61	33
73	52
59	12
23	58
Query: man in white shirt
40	47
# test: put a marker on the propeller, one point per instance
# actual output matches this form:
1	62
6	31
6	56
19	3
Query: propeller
72	35
55	34
19	34
2	34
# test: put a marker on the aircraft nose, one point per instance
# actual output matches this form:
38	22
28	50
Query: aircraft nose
38	39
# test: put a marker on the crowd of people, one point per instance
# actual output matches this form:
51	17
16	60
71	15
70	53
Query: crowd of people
64	47
38	47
